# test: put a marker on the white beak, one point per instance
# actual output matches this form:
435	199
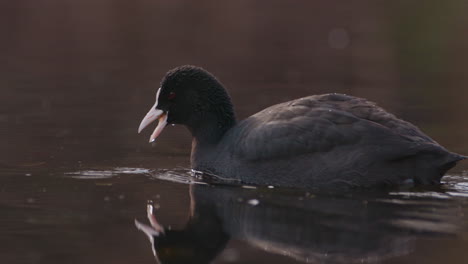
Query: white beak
152	115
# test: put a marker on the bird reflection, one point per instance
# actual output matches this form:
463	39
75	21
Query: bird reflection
350	228
202	239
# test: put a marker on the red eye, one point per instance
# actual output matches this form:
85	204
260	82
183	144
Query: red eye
171	96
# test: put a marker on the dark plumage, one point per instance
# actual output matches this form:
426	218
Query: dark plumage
320	141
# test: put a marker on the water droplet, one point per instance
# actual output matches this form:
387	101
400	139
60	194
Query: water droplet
253	202
28	174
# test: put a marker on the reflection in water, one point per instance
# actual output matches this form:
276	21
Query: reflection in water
200	242
345	228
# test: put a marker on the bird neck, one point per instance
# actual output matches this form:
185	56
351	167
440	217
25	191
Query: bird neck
213	116
208	130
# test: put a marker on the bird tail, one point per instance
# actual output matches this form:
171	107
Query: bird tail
451	162
431	173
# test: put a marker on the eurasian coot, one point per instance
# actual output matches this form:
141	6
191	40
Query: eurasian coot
319	141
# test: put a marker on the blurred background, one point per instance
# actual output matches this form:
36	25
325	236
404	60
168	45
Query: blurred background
76	77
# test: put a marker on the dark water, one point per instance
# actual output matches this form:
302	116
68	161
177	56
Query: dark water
76	77
87	216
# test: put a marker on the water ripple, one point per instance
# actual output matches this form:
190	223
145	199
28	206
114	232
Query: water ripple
105	174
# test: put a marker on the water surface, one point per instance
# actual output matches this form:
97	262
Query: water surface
87	216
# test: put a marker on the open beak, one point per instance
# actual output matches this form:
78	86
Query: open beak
152	115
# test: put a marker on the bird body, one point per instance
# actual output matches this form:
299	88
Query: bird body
319	141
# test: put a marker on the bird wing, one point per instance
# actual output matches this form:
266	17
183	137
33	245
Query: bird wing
322	123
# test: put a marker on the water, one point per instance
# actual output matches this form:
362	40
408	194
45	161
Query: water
87	216
76	77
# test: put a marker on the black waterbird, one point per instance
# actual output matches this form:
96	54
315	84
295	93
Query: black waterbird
319	141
